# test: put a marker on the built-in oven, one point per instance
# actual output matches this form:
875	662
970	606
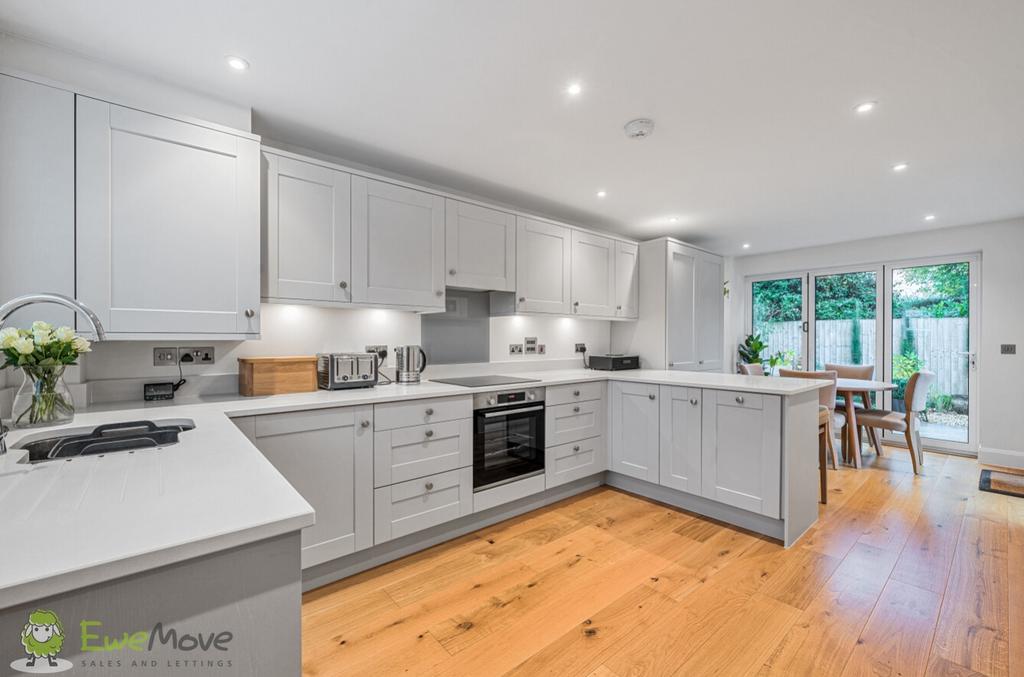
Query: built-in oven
508	436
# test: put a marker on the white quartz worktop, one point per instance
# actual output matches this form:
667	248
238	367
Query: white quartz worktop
65	525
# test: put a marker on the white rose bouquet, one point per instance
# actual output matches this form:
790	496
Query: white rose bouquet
42	353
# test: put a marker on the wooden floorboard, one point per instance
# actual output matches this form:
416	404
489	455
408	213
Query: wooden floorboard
902	575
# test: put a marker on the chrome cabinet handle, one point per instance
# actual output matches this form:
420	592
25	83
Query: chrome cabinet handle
671	364
451	272
739	400
343	284
365	424
439	293
429	412
576	393
429	486
651	396
618	307
522	299
694	401
250	313
430	433
576	448
576	409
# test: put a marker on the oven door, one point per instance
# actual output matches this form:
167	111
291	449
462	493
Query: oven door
508	444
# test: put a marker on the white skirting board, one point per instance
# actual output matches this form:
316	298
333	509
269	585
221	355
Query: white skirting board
1007	458
328	572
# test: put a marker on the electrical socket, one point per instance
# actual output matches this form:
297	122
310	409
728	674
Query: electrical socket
165	357
380	350
1008	349
542	349
581	347
196	355
515	349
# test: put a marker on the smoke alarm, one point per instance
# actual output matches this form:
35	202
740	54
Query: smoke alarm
640	128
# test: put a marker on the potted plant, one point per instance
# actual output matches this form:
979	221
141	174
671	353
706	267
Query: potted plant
42	353
750	349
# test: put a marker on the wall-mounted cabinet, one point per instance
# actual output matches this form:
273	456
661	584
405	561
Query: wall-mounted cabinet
681	325
543	267
480	247
627	280
307	231
593	275
168	227
397	245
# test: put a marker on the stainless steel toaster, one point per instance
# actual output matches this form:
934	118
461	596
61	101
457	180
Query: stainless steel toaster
336	371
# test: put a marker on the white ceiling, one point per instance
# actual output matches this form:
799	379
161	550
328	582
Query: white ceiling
756	140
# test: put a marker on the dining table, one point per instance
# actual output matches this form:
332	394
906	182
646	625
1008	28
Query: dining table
850	388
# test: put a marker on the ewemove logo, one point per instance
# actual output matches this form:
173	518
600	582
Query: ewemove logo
42	639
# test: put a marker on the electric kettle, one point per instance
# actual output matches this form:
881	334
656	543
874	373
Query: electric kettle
410	361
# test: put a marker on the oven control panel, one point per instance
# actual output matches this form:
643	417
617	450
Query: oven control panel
507	397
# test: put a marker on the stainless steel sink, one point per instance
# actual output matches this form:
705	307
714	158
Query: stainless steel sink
104	439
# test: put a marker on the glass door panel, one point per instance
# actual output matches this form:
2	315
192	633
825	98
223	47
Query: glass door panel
931	327
778	317
845	318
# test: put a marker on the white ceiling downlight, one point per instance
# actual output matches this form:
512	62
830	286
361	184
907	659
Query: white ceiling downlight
900	167
929	217
746	245
574	88
640	128
865	107
237	63
602	193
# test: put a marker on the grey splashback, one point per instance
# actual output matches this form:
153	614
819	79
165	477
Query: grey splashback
461	334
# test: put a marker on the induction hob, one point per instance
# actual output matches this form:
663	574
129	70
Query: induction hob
481	381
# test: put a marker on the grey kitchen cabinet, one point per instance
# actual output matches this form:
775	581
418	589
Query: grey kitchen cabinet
543	267
37	197
407	507
593	275
627	280
327	455
680	446
402	454
741	450
398	245
307	231
480	247
565	423
571	461
168	224
634	430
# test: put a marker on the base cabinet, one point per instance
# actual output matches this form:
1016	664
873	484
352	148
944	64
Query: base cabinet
634	429
569	462
418	504
741	450
327	455
680	446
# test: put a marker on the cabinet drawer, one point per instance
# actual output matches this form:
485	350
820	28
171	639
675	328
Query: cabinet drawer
571	422
568	462
574	392
731	398
419	412
412	506
417	451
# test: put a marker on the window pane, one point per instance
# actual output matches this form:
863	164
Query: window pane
931	330
844	319
777	317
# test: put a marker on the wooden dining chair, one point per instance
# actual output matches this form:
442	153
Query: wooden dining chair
828	421
863	372
916	400
752	369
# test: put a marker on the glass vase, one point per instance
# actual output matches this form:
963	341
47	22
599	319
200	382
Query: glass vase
43	399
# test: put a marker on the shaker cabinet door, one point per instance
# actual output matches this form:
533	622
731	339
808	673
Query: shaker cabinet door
680	447
593	275
397	245
634	430
168	223
480	247
543	264
627	280
307	231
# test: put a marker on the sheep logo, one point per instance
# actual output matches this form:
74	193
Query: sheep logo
42	638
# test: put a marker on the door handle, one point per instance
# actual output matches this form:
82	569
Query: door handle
651	396
805	326
739	400
694	401
576	410
429	433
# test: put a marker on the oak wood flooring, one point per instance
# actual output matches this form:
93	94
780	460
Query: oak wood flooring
902	575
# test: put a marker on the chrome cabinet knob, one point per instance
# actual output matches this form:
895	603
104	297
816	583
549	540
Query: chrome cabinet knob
618	307
522	299
576	393
343	284
250	313
671	364
576	448
531	396
739	400
439	293
429	433
490	400
451	272
429	486
694	401
429	412
365	424
651	396
576	409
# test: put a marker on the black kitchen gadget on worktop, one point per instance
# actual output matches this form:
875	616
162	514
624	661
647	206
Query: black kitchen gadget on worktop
613	362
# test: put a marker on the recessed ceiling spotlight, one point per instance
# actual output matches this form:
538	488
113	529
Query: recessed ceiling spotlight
237	63
602	193
673	219
865	107
900	167
574	89
929	217
746	245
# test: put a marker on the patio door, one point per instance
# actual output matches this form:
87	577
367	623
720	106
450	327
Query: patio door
845	305
778	315
932	323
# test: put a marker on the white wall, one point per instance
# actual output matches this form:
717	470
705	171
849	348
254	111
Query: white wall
63	68
1002	311
558	334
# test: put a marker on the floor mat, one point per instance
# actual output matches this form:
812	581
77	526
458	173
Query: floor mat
1002	483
